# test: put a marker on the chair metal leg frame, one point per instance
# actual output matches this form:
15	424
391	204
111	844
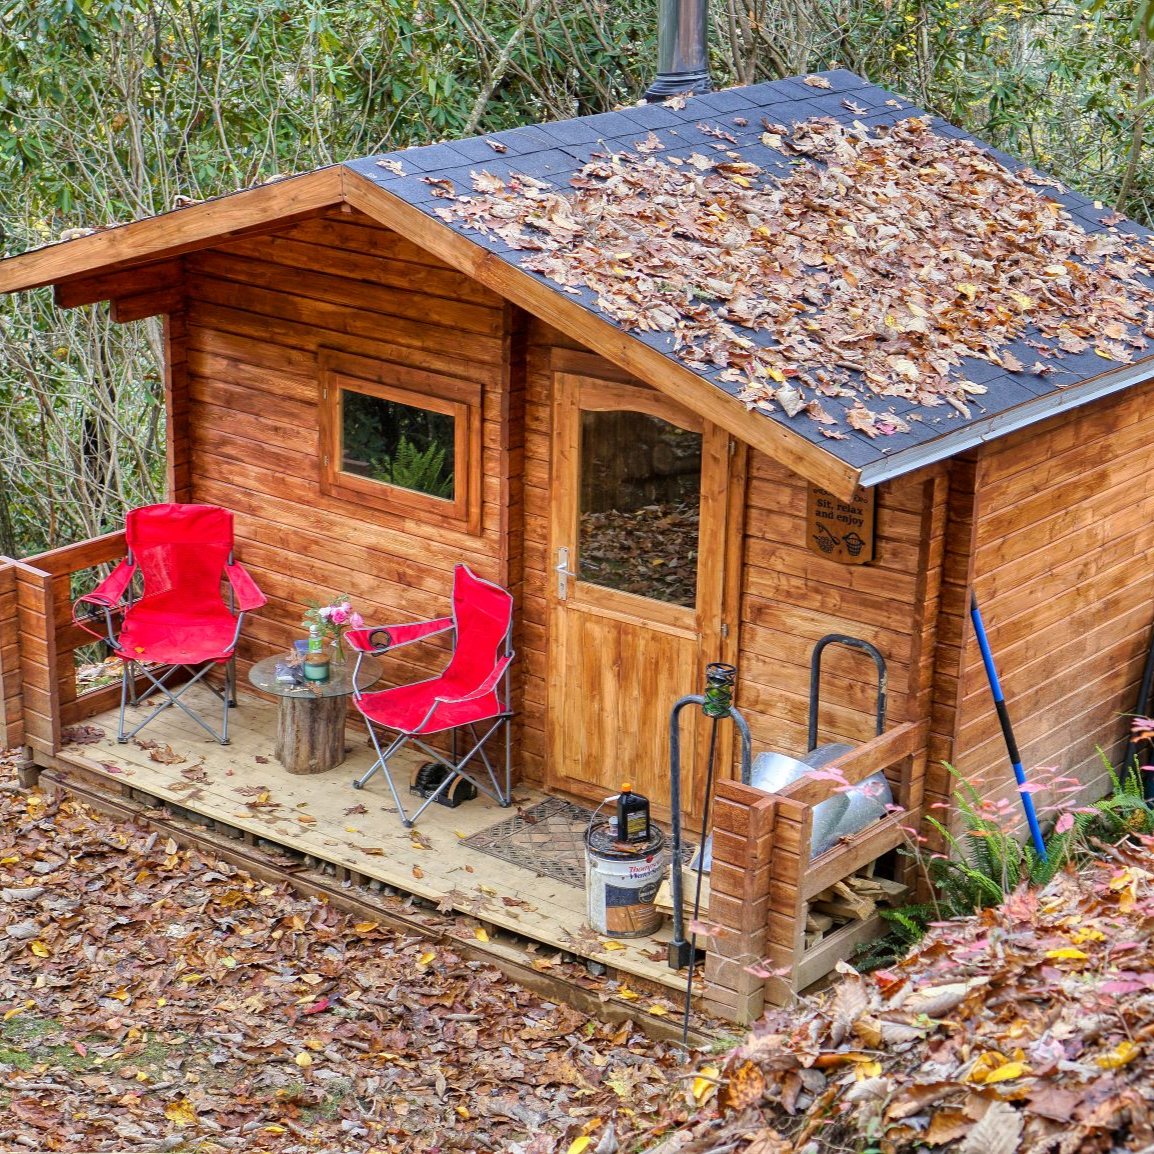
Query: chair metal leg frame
455	769
159	683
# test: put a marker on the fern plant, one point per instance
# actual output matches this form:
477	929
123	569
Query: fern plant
419	469
1122	812
985	863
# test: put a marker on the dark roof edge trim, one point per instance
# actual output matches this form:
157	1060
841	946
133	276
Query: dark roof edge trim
990	428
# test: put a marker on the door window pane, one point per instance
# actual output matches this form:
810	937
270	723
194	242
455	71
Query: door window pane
640	506
399	444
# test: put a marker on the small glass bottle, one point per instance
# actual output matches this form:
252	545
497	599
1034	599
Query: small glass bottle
632	815
316	659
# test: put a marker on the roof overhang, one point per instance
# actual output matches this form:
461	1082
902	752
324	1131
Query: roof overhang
111	251
985	429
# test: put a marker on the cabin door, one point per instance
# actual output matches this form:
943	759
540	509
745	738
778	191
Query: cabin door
640	502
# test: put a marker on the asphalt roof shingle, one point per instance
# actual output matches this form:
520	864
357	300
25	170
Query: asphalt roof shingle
555	152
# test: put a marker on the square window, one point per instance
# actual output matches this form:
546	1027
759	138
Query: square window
399	444
400	439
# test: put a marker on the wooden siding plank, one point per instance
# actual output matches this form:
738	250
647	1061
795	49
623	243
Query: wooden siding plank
349	330
334	286
419	274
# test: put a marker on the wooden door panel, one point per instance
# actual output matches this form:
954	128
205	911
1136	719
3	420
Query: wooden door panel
619	656
616	686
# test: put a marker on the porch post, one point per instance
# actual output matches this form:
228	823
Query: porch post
11	685
35	616
739	900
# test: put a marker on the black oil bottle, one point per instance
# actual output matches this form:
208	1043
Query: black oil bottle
632	815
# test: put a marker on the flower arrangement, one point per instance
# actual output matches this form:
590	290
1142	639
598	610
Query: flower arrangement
332	620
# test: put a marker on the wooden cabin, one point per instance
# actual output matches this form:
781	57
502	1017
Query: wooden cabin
652	507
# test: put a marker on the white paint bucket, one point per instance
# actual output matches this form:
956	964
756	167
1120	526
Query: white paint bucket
621	882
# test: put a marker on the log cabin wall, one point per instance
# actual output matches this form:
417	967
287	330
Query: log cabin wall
1064	572
793	596
262	314
790	596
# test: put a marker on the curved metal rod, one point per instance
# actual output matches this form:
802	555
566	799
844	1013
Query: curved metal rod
815	680
679	952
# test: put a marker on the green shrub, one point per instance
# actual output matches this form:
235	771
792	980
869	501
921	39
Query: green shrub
985	863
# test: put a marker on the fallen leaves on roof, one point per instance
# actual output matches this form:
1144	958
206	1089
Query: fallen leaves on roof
1028	1028
872	271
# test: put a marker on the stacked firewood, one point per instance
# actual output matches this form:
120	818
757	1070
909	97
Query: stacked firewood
855	898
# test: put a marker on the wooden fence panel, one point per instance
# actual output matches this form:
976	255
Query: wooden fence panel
11	681
42	657
35	610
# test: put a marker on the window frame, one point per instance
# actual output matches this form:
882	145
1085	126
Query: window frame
419	389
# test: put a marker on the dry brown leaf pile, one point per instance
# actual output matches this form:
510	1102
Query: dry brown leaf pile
1026	1030
870	271
153	998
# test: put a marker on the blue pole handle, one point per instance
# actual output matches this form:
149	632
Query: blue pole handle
1007	729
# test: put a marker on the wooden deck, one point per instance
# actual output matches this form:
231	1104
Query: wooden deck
242	787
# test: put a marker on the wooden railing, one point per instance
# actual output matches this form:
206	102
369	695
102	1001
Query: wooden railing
11	683
796	878
763	878
38	642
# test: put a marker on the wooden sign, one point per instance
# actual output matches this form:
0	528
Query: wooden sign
841	530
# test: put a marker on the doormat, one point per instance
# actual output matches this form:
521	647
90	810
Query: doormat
547	839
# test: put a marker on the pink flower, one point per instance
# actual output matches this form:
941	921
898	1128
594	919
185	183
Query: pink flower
356	620
339	614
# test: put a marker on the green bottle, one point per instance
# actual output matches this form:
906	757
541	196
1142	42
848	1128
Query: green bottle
316	659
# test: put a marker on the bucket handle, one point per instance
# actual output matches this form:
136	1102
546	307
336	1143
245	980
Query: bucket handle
593	815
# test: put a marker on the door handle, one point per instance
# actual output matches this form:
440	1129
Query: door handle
563	573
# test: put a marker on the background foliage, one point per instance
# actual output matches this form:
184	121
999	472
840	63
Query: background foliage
115	109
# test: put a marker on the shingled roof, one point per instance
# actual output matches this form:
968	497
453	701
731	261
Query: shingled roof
469	186
764	158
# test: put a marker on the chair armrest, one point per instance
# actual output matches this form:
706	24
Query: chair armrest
370	639
106	596
248	596
486	686
111	590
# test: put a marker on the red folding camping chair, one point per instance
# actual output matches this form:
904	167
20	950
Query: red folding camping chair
472	692
180	619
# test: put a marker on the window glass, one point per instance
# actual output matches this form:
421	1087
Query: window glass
640	504
401	445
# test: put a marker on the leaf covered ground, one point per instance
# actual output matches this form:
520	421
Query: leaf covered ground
1027	1029
155	998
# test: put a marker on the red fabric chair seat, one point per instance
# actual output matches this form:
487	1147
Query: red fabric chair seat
471	693
165	631
407	707
180	556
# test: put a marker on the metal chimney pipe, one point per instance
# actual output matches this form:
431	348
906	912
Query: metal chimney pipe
682	51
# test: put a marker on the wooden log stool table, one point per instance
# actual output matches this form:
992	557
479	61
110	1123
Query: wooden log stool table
310	730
